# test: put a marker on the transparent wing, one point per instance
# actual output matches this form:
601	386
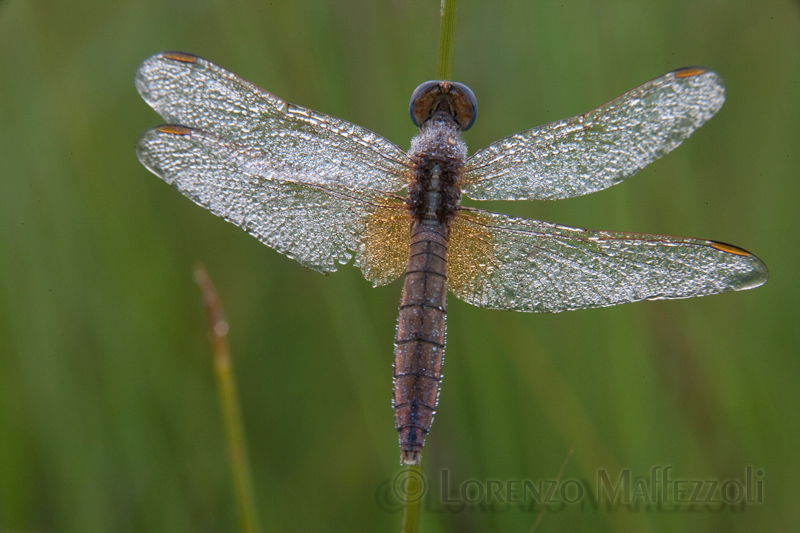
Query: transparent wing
590	152
502	262
317	224
188	90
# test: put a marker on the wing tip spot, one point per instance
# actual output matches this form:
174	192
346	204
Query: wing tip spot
183	57
730	249
174	129
689	72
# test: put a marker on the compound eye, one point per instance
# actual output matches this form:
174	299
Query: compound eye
427	99
466	105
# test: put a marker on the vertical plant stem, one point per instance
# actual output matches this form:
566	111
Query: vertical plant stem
552	490
446	31
229	403
414	490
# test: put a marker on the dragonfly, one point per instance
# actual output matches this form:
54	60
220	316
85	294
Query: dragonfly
324	192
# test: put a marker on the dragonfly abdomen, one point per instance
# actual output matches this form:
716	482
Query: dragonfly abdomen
419	344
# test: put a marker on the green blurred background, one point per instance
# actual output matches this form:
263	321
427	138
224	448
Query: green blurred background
108	412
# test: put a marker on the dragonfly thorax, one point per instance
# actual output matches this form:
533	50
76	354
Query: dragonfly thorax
437	155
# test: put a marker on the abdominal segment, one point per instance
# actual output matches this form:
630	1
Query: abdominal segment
419	345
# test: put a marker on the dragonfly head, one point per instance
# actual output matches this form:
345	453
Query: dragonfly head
447	99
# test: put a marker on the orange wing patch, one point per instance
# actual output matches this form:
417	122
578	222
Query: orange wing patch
471	254
385	242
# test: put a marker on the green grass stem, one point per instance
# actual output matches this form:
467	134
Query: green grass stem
229	403
447	30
